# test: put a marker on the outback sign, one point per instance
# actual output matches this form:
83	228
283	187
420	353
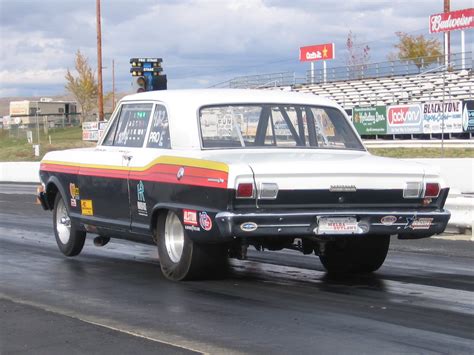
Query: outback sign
404	119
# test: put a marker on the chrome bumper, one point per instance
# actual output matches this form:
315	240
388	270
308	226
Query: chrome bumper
407	224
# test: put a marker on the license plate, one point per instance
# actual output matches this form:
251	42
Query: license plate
337	225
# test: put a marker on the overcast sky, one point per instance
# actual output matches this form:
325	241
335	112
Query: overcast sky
201	42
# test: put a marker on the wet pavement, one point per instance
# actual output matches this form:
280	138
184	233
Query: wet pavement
114	299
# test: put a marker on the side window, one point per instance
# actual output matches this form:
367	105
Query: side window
159	132
129	129
109	139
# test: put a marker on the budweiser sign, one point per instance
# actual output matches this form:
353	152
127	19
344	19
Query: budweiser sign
450	21
317	52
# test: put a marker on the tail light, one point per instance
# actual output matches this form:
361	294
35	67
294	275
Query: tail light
245	190
420	190
412	190
268	191
432	189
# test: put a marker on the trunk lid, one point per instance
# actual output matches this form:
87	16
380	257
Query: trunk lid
329	179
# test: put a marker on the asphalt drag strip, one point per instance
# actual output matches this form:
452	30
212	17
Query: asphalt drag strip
26	329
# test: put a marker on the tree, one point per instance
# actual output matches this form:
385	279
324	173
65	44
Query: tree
84	86
358	56
417	49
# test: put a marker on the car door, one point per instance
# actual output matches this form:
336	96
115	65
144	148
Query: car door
104	180
145	183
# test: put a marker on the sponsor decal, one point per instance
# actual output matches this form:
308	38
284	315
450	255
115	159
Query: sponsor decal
205	221
73	202
370	120
248	226
192	228
418	222
441	117
421	223
190	217
141	203
403	119
87	208
388	220
450	21
317	52
74	191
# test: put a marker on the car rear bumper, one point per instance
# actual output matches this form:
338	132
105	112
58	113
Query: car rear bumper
407	224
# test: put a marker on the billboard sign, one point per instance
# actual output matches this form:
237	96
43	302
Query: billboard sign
317	52
370	120
437	113
468	116
404	119
19	108
93	131
450	21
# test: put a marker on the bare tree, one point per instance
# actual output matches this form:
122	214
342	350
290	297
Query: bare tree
417	49
358	55
84	86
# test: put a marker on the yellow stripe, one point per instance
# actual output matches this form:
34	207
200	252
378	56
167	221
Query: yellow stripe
165	159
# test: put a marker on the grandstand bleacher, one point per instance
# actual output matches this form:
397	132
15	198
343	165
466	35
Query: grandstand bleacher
393	90
402	84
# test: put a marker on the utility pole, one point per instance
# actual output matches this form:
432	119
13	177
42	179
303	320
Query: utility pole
113	85
100	97
447	37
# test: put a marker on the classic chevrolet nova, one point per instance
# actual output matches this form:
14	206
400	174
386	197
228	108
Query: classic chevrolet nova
205	174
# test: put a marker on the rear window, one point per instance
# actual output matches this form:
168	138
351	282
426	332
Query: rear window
276	126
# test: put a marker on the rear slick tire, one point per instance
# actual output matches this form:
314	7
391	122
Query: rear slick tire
356	254
183	259
69	237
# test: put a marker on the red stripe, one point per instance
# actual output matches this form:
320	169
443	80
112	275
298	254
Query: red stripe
165	173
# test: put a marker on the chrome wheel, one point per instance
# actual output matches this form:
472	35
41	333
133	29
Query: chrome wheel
174	237
63	223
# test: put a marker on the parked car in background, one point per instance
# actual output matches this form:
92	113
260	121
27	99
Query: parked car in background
205	174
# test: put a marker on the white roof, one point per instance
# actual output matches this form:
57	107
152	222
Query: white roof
183	106
201	97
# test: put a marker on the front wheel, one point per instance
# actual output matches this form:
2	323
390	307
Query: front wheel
183	259
69	238
355	254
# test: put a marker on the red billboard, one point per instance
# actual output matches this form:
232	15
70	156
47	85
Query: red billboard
317	52
450	21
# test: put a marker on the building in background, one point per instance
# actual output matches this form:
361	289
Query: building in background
47	111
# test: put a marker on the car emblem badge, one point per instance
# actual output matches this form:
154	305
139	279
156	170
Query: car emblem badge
180	173
248	226
342	188
388	220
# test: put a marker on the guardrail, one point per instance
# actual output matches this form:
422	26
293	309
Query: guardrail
448	143
412	66
462	214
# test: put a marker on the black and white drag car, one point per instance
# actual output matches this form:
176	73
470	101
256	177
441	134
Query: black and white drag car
205	174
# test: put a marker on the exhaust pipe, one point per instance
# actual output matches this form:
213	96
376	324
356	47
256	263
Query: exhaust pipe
100	241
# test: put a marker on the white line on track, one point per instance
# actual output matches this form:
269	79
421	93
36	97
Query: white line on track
158	337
